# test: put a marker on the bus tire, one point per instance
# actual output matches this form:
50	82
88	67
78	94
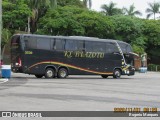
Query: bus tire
49	73
39	76
104	76
62	73
117	74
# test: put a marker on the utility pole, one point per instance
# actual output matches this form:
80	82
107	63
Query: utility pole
0	33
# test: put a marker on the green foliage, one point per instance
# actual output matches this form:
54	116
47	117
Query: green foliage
71	20
130	30
138	49
127	28
153	67
62	22
15	14
6	35
70	2
131	11
96	25
153	9
110	9
152	31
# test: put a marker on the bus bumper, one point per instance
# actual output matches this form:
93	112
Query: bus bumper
16	70
129	72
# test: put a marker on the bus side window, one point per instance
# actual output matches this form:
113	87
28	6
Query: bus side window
53	44
80	45
30	42
99	47
59	44
26	42
111	47
88	46
43	43
71	45
95	46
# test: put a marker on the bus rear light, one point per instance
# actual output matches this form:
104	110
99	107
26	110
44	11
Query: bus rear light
19	62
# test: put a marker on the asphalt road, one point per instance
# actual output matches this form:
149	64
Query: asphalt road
80	93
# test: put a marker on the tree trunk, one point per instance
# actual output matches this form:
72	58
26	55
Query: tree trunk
29	29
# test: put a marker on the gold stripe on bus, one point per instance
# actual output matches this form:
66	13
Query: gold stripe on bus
125	67
71	66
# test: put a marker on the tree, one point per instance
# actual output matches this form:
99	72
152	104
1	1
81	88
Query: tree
15	15
70	2
70	20
110	9
87	3
36	6
131	11
153	9
6	35
130	30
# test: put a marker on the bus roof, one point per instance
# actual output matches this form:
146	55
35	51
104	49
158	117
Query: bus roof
74	38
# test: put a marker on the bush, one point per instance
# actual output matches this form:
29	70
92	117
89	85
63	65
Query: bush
153	67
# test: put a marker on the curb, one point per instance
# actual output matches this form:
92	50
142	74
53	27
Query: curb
3	80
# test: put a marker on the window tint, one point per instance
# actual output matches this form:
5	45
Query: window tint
43	43
74	45
95	46
80	45
99	47
89	46
15	42
59	44
111	47
30	42
126	48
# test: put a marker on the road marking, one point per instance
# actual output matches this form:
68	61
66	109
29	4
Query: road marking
3	80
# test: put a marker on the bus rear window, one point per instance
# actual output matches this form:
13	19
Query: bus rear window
15	42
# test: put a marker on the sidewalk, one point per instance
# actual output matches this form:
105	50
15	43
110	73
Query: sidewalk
3	80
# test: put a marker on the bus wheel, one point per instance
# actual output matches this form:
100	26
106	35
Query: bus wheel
39	76
62	73
49	73
104	76
116	73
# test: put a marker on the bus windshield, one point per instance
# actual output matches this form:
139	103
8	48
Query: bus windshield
126	48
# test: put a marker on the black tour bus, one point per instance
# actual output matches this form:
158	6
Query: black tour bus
60	56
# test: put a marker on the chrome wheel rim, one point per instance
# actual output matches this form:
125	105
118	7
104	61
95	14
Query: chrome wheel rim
63	73
49	73
117	74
